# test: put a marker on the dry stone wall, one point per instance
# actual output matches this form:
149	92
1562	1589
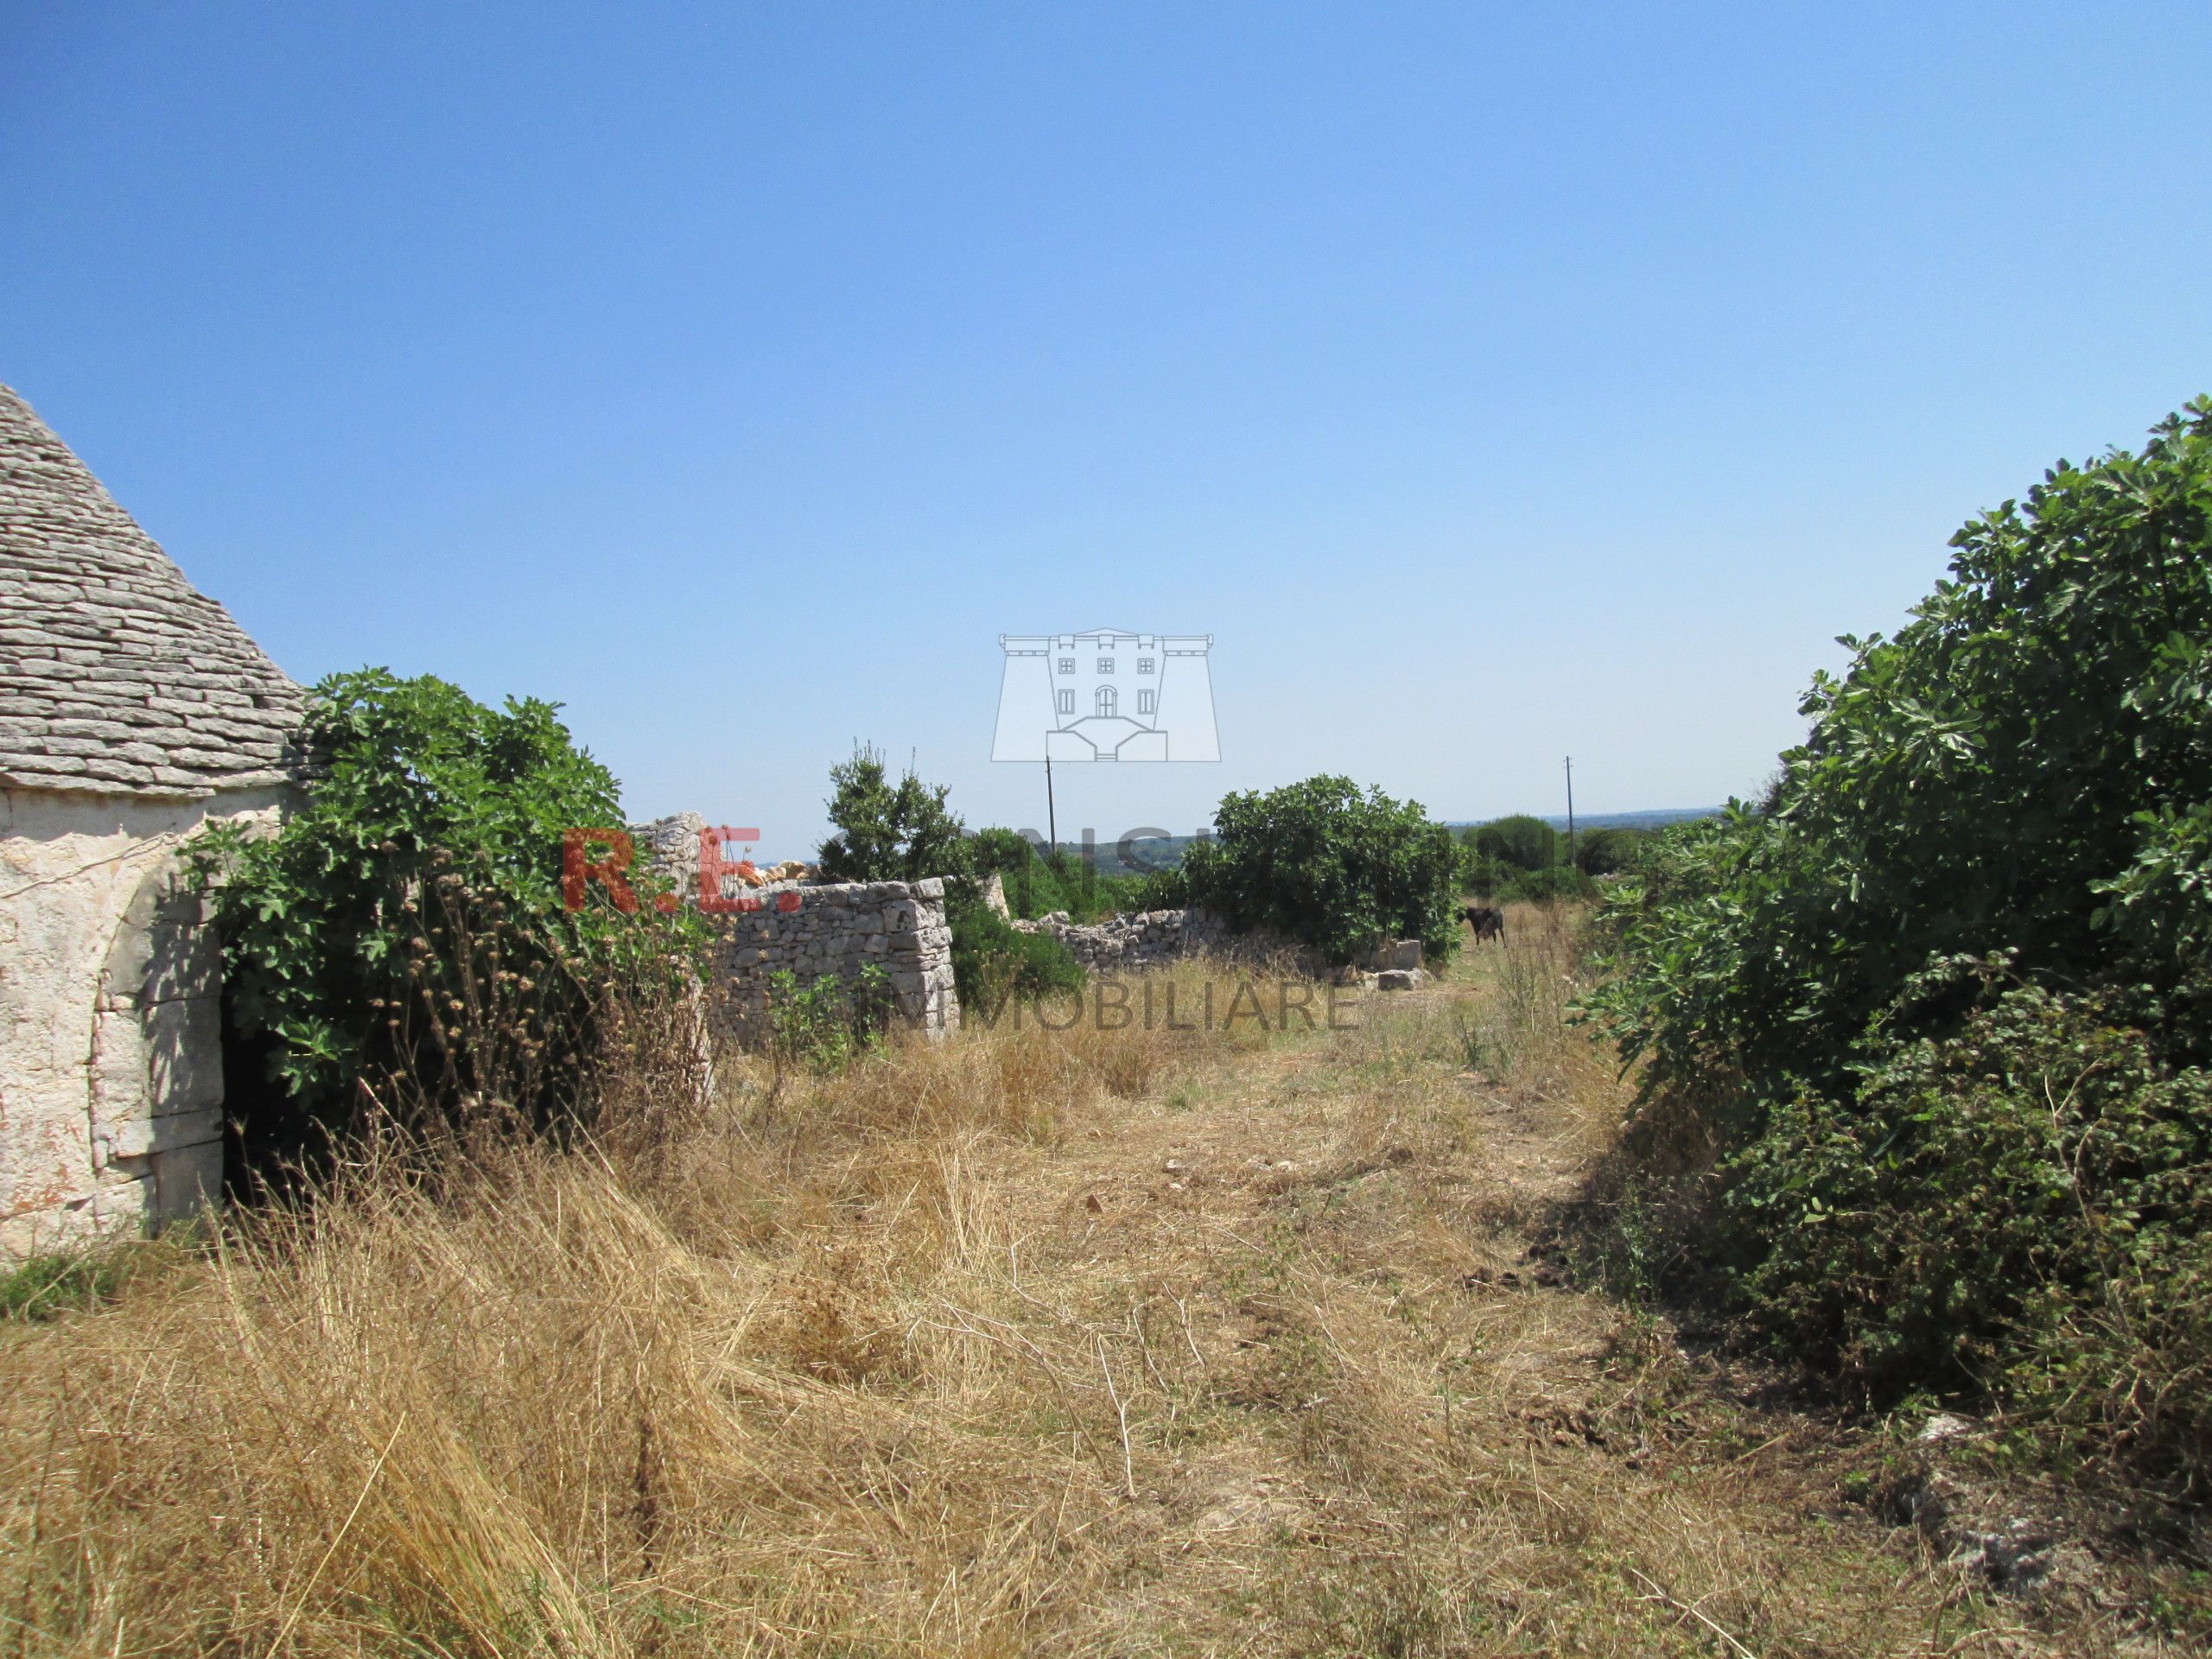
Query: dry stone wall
1120	945
814	931
1130	943
1123	944
839	929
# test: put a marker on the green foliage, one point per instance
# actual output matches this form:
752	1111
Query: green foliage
1166	889
2024	767
1331	866
1522	857
907	832
1481	872
889	833
1062	880
1543	886
2161	904
1038	882
2021	1204
995	850
45	1287
828	1025
403	931
993	962
1517	843
1607	852
1924	1182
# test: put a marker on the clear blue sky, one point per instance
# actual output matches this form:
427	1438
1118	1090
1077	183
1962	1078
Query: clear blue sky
1493	383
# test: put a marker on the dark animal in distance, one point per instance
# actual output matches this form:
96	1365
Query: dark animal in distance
1487	920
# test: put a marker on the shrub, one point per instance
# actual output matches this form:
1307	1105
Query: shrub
1038	882
1480	871
1544	887
1606	852
995	850
906	833
1924	1181
2016	770
1522	857
829	1024
1166	889
1519	841
2019	1206
1329	866
1061	879
994	961
400	941
889	833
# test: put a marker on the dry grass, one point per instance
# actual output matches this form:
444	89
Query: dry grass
1087	1342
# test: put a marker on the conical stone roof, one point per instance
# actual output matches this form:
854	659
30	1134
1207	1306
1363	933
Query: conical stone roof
116	674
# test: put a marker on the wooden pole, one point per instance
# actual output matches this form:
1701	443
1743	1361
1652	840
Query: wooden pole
1570	812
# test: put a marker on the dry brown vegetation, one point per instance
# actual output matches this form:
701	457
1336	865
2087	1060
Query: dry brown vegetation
1082	1341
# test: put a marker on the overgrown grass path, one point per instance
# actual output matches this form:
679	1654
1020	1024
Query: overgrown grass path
1094	1341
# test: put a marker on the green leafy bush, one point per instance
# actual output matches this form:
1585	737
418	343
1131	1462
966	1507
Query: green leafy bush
1481	872
907	832
1543	886
1166	889
830	1024
2016	770
1607	852
1918	1179
993	961
400	941
1330	866
1038	882
996	851
1522	857
2021	1206
888	832
1518	841
1062	881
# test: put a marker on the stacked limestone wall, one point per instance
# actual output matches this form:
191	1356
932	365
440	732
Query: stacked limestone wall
1151	938
814	932
1125	944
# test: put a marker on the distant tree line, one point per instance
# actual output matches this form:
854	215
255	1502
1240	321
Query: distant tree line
1522	857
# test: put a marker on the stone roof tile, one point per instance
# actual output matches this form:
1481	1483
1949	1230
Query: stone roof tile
112	667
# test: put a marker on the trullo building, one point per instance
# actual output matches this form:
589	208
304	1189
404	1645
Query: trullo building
133	712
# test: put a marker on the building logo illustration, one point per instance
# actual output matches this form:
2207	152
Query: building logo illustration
1106	696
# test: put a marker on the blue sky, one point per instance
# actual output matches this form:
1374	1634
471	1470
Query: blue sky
1492	385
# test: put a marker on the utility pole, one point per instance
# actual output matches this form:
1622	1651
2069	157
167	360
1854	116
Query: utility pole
1051	815
1570	812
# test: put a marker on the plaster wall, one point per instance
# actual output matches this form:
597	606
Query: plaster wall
110	1036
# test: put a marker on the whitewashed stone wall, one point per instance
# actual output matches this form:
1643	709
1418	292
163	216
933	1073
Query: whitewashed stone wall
838	928
111	1038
